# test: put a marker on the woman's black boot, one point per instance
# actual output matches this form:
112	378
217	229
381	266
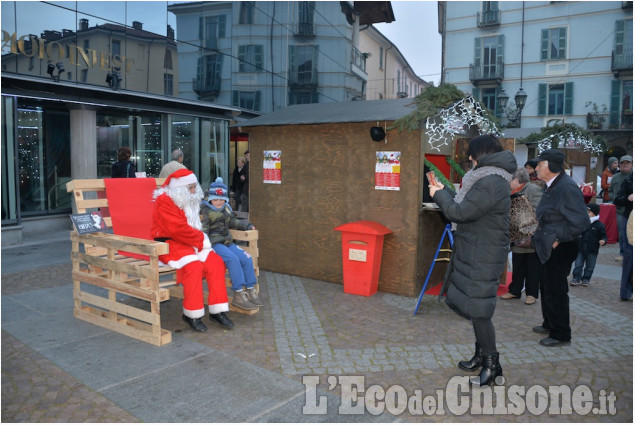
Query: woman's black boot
491	369
475	362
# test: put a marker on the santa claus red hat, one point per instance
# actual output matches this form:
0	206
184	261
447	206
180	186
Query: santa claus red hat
179	178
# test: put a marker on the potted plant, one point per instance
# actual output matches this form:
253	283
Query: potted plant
597	116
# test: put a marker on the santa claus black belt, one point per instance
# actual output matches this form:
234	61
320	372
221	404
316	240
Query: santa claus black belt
161	239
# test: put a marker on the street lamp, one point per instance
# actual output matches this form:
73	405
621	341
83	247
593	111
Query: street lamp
520	98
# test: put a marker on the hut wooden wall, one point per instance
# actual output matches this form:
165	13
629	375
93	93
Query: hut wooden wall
328	179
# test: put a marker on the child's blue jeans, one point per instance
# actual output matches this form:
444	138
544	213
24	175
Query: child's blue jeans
239	264
580	260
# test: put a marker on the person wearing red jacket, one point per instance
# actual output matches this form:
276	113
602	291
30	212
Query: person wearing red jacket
176	221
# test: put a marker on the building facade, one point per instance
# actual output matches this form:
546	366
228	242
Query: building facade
389	74
71	98
573	60
267	55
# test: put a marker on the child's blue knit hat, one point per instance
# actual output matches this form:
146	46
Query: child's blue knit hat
218	190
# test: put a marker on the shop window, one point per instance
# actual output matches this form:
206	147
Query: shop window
246	99
211	28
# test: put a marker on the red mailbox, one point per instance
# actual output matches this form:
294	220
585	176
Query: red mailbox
362	245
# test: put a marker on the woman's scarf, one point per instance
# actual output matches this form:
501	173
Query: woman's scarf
474	175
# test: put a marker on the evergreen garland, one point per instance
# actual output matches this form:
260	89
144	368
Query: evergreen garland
459	170
438	174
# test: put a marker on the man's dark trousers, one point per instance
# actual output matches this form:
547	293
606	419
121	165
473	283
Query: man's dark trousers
554	290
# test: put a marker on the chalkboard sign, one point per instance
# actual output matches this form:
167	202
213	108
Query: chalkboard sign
88	222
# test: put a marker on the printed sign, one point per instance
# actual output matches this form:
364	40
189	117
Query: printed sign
388	171
88	222
272	167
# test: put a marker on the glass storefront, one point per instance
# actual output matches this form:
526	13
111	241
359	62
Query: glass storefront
112	58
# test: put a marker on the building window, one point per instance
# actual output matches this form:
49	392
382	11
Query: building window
208	75
490	15
621	104
305	17
381	58
553	44
210	29
168	84
116	48
86	44
246	12
250	58
488	57
303	97
246	99
398	81
167	59
303	64
555	99
84	75
488	97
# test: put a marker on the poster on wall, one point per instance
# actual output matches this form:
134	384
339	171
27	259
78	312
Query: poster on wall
387	170
272	167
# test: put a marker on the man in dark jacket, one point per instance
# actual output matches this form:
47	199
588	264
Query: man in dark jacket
562	217
624	200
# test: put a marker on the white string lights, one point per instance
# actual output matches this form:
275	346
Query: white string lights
451	121
570	140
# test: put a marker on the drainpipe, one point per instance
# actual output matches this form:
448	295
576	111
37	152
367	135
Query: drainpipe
386	67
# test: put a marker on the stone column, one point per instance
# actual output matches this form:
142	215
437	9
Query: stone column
83	141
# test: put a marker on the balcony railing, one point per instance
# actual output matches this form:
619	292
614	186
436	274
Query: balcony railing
359	59
204	89
489	18
487	74
306	79
621	62
304	29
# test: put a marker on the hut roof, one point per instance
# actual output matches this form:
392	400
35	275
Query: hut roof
323	113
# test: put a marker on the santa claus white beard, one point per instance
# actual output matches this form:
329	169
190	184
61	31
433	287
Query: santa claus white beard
189	202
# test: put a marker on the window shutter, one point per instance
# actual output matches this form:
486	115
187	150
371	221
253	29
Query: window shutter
200	65
257	101
568	98
499	52
544	45
219	67
497	109
201	28
562	43
542	99
478	42
221	26
619	37
259	57
293	64
493	5
616	86
235	97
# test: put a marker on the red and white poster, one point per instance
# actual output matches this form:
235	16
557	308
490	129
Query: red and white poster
272	167
388	170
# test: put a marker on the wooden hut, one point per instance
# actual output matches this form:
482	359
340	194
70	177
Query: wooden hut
326	175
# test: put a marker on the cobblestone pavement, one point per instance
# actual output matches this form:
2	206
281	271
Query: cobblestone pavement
312	328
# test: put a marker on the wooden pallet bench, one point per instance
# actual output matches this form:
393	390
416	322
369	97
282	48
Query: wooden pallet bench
118	291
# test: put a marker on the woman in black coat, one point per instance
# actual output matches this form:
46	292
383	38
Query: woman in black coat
480	210
123	168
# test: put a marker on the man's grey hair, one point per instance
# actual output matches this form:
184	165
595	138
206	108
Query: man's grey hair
177	154
521	174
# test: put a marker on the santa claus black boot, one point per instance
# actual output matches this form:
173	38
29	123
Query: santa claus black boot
196	324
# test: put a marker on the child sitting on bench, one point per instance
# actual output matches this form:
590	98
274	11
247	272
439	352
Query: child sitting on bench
217	218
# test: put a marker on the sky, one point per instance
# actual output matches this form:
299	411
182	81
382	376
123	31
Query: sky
415	32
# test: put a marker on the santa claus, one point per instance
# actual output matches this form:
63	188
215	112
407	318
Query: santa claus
176	221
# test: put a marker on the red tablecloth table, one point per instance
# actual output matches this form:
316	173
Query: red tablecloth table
608	216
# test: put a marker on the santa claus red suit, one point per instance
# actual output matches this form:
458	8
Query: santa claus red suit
176	221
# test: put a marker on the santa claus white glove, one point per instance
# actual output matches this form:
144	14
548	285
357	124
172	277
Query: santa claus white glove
206	243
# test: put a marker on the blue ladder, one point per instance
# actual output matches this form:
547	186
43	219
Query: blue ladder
447	231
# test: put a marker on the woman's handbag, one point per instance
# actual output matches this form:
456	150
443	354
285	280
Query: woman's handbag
523	222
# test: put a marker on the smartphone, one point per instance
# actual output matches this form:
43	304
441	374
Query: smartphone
431	178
